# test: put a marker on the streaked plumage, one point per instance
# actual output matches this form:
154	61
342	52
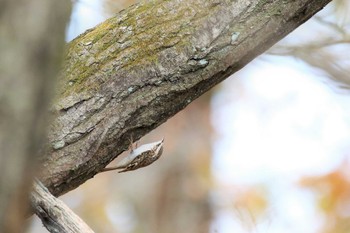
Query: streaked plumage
140	157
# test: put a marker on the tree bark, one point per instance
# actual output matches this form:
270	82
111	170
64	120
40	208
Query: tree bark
31	44
54	214
131	73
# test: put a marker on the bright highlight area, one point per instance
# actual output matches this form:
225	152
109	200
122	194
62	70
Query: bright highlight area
277	122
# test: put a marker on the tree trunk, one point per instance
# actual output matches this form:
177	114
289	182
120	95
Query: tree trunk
32	39
134	71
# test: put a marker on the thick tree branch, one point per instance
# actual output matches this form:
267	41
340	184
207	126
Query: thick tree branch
54	214
136	70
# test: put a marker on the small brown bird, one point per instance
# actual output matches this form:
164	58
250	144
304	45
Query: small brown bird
139	157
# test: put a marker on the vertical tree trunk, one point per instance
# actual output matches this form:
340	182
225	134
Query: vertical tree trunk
32	39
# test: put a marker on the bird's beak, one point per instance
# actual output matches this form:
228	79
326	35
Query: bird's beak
160	147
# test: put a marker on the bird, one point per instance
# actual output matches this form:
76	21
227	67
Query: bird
139	157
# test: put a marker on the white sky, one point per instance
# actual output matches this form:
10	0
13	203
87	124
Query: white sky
282	121
85	14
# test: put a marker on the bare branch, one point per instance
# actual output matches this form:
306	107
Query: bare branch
54	214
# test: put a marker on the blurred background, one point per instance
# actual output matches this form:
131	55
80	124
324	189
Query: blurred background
265	151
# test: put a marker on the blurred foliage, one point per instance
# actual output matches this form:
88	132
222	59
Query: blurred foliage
111	7
327	46
329	52
332	192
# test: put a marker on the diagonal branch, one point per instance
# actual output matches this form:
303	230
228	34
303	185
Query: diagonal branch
136	70
54	214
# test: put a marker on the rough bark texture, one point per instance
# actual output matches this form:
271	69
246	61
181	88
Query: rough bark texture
31	44
134	71
54	214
